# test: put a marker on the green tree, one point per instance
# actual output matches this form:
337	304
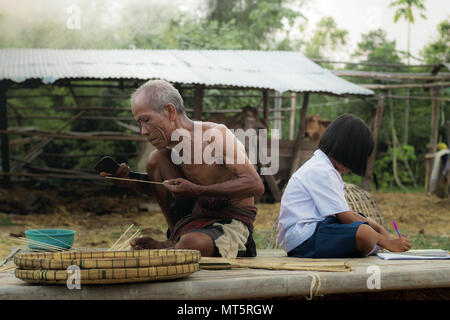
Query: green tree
259	20
405	10
375	47
439	51
327	37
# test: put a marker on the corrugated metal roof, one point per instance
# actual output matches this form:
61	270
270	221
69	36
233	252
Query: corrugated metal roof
278	70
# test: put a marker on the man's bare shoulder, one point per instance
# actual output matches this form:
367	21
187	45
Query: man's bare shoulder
206	125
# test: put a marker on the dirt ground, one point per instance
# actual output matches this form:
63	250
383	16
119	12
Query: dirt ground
100	216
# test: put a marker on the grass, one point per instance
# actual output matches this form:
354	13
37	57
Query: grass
5	220
355	179
261	238
420	241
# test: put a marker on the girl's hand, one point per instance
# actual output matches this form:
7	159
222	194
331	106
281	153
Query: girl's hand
398	245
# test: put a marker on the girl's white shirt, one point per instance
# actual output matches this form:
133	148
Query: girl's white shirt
314	191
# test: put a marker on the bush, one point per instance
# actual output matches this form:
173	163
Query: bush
384	166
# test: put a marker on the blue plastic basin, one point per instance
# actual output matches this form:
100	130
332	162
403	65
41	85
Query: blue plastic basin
56	237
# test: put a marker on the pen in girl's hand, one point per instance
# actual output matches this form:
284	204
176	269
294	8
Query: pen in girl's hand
396	228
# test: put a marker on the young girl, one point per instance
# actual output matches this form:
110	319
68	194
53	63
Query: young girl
315	219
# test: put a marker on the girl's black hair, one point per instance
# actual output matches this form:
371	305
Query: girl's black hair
349	141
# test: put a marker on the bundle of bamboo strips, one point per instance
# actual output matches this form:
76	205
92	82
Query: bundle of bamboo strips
7	268
273	264
41	245
125	244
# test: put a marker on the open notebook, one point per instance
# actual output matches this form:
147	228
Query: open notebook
420	254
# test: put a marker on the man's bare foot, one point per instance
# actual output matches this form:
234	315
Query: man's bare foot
150	243
397	245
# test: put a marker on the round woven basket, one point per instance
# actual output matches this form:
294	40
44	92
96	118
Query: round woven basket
361	201
106	259
107	267
358	200
109	276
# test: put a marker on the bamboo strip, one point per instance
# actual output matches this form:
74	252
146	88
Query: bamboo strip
38	244
43	245
65	244
126	231
133	180
125	245
330	266
7	268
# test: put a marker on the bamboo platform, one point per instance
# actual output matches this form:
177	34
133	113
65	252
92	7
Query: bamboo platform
249	283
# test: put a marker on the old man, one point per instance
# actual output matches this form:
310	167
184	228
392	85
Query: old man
207	195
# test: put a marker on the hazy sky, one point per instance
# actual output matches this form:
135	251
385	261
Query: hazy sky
360	16
356	16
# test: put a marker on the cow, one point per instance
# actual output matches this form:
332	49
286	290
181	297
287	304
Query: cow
246	119
315	127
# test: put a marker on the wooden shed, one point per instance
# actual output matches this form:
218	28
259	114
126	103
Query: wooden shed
269	72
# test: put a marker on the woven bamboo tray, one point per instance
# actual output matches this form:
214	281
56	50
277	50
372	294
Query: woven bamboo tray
106	259
109	276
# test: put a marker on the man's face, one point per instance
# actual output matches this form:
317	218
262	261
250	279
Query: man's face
157	127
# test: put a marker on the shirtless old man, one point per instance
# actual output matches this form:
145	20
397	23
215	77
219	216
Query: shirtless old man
208	205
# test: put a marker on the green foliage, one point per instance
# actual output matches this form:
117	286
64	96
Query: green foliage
439	51
327	37
383	166
421	241
375	47
405	9
258	20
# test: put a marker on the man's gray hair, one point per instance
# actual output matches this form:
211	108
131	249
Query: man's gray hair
158	94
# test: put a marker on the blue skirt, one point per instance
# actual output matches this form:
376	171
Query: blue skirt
331	239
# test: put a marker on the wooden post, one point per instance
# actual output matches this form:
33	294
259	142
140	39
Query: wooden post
300	135
434	135
199	91
434	119
277	113
4	136
292	119
367	179
406	126
266	103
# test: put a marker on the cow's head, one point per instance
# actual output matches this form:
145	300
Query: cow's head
315	127
248	118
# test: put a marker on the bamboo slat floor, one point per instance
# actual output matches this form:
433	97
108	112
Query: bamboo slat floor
246	283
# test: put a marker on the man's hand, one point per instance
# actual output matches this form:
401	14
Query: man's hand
122	172
182	188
